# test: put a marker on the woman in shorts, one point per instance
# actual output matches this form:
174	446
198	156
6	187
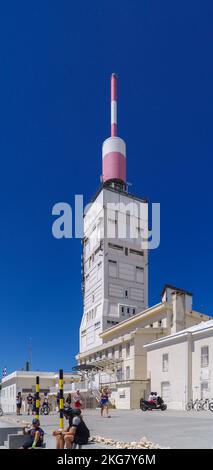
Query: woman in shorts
104	402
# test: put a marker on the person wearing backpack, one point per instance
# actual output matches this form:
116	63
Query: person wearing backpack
77	432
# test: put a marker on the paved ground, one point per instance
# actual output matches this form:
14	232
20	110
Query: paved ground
174	429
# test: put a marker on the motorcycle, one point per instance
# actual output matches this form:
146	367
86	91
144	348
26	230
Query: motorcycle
159	405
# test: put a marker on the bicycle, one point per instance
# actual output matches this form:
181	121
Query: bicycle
192	405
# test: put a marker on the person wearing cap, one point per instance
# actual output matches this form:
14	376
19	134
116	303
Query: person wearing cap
77	432
35	435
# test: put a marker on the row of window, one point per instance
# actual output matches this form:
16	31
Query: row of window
125	271
126	250
127	310
204	359
104	354
166	390
8	392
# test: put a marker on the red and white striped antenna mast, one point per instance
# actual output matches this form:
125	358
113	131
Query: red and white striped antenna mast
114	148
113	105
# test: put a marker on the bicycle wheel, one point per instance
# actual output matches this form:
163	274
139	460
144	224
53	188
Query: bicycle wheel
211	406
199	406
189	406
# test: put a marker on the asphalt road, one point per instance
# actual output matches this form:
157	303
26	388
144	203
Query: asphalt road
174	429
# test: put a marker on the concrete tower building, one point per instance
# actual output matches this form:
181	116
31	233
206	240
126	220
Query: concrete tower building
114	263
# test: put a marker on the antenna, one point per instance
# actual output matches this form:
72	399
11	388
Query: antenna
30	352
113	105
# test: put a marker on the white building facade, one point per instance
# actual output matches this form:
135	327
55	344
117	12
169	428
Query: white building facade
115	269
25	382
120	361
180	366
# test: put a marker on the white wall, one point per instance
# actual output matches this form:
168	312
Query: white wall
176	374
200	374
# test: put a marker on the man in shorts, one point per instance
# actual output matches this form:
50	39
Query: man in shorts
18	403
77	432
29	403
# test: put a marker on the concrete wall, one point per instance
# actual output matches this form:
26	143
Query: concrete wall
200	374
176	374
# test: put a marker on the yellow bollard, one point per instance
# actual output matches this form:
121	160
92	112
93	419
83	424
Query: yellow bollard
61	398
37	397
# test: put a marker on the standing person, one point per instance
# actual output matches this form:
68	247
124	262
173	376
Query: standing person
29	403
18	403
105	401
34	403
77	400
68	400
58	401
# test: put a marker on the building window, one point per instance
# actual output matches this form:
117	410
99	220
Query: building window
126	251
112	268
127	373
127	309
122	309
113	352
160	323
139	274
204	389
165	362
136	252
127	350
120	351
126	294
204	356
115	247
133	311
165	391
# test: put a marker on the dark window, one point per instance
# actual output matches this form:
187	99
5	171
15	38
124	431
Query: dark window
126	251
126	294
128	310
133	311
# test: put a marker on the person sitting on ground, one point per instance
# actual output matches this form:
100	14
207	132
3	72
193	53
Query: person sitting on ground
35	435
104	402
77	432
29	403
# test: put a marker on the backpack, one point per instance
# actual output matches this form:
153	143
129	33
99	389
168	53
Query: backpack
82	434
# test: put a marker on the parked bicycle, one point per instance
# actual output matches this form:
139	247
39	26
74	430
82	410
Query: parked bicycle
200	405
192	405
205	404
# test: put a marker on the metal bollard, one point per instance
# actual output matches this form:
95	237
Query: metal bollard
37	397
61	398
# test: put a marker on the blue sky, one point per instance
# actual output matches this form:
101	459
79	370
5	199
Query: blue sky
56	61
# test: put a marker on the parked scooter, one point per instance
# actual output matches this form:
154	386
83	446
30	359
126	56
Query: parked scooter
159	405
